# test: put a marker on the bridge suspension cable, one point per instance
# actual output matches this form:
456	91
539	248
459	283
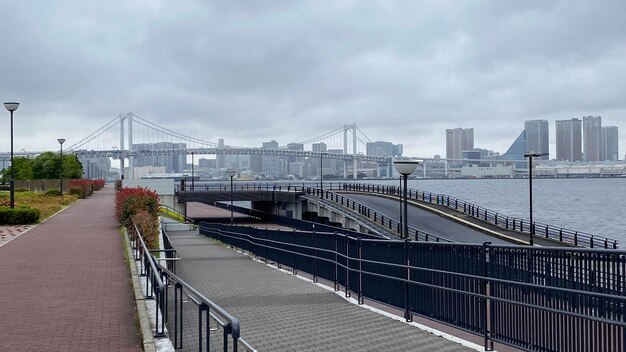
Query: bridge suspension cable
325	135
141	121
95	134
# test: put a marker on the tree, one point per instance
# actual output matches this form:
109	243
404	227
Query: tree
23	168
47	165
72	167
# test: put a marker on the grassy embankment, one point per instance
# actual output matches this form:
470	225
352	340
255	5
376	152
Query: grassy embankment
47	205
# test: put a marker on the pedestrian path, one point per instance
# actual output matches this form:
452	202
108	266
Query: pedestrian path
282	312
64	285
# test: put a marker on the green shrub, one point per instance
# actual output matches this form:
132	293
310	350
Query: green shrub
53	192
18	216
77	191
21	189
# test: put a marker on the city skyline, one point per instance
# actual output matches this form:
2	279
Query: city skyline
404	72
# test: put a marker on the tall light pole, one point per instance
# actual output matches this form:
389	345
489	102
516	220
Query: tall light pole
12	106
192	170
322	174
405	168
530	155
61	141
231	173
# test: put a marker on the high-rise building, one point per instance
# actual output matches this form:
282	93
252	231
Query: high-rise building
384	149
537	137
172	163
458	140
318	147
610	143
568	140
592	135
270	164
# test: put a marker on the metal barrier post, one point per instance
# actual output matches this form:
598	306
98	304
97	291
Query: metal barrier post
407	262
486	304
360	284
347	286
335	284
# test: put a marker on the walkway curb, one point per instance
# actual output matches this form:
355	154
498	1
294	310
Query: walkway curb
142	312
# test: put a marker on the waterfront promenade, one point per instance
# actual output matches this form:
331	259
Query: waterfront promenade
282	312
64	285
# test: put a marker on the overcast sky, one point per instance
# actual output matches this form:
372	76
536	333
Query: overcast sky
251	71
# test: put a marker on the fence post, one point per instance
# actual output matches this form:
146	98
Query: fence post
360	284
335	279
486	303
407	262
294	271
314	256
347	286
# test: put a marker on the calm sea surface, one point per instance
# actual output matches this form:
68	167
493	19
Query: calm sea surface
593	205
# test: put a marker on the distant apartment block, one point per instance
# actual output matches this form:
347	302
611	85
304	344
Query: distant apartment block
318	147
568	140
592	136
458	140
172	163
537	137
384	149
270	164
610	143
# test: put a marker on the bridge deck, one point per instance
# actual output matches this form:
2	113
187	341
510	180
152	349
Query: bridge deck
282	312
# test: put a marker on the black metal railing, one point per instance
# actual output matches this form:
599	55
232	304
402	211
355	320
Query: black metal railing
532	298
556	233
374	216
552	232
160	278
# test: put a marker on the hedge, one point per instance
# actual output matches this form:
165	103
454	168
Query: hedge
18	216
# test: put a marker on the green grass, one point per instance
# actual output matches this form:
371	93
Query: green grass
171	214
47	205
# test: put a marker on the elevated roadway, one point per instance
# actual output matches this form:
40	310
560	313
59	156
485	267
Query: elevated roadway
444	222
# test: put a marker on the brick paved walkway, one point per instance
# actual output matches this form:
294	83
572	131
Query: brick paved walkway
280	312
64	285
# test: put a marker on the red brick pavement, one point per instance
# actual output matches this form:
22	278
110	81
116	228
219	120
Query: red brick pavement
64	285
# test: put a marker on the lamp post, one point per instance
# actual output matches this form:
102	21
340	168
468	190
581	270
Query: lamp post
12	106
405	168
531	225
231	173
61	141
192	170
322	174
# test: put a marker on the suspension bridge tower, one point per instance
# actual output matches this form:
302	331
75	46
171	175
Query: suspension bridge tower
352	128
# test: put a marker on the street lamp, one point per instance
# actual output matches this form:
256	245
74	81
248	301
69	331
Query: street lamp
12	106
192	170
321	175
61	141
231	173
530	156
405	168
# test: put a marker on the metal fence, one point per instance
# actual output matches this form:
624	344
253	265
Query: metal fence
161	279
532	298
556	233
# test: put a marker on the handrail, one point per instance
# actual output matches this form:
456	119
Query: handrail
162	277
557	233
385	220
149	269
531	288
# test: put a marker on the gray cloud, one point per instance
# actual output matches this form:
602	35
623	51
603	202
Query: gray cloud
251	71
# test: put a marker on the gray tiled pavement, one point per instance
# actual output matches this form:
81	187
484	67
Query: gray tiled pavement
280	312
